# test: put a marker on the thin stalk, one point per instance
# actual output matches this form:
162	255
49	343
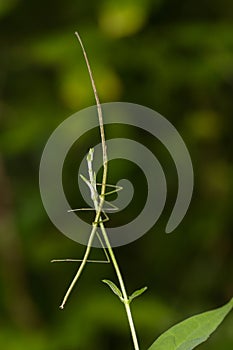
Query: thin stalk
122	287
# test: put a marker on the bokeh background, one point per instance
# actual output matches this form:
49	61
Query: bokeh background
175	57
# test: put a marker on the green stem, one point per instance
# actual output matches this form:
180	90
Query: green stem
122	286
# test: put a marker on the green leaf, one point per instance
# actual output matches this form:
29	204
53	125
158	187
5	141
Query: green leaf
137	293
193	331
114	288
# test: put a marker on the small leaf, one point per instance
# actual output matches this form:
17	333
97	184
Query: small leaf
114	288
137	293
195	330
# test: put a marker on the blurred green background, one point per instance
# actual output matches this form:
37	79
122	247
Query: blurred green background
175	57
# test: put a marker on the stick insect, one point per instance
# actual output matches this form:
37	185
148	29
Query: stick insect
99	201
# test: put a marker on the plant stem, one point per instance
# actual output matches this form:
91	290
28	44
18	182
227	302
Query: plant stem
122	287
99	205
